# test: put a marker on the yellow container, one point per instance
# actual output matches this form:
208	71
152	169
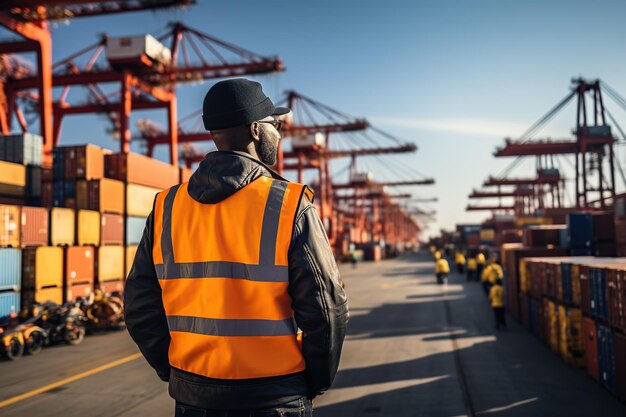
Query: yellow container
49	267
12	174
110	263
524	221
524	277
553	326
487	235
139	199
131	250
62	226
88	227
49	294
10	226
572	338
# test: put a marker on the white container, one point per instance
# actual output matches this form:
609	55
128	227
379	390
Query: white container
131	49
361	177
309	141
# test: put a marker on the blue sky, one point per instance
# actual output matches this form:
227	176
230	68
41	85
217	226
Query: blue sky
455	77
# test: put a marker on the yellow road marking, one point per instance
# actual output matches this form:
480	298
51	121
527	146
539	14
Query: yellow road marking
68	380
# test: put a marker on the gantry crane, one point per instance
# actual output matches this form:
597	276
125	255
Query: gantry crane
28	18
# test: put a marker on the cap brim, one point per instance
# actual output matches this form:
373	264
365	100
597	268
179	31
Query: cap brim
280	111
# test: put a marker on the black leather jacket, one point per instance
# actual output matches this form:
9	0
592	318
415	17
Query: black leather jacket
319	302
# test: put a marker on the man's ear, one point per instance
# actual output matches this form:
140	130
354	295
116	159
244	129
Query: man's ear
254	130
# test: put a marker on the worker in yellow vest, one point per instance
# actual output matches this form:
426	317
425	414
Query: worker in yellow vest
485	278
472	267
437	255
496	296
495	273
442	269
234	295
481	261
459	260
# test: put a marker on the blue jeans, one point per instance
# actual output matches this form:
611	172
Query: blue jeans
298	408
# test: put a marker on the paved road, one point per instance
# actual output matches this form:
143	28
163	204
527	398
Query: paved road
414	349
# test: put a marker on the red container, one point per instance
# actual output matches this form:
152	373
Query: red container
620	231
603	226
542	236
585	295
73	292
83	162
112	232
109	287
473	239
79	265
591	348
34	226
619	347
139	169
47	195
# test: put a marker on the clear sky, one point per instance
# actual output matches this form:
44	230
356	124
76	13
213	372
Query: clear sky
455	77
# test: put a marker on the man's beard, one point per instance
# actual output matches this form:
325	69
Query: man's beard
266	148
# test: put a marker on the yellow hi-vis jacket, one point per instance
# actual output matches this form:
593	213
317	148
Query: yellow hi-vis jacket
442	267
486	274
480	258
496	295
459	258
225	293
495	273
437	255
471	264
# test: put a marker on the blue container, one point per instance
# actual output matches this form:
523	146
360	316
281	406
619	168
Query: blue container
579	230
563	242
9	303
58	165
58	194
134	229
598	293
566	283
10	269
69	188
580	252
606	357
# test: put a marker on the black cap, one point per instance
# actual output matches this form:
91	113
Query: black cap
236	102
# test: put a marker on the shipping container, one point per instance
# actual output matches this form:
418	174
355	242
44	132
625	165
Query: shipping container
580	230
79	265
9	303
76	291
9	226
47	194
112	232
12	179
111	287
10	269
131	250
606	357
139	200
35	226
62	226
58	169
142	170
88	227
542	236
33	182
591	348
537	318
22	148
603	227
43	295
42	267
110	263
572	338
487	235
524	302
105	195
58	193
619	343
134	230
83	162
551	323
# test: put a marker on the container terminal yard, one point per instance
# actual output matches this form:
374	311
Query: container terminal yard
514	306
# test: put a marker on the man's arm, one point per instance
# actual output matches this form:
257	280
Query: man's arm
319	301
143	307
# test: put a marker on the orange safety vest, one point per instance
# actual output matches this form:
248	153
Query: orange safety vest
223	270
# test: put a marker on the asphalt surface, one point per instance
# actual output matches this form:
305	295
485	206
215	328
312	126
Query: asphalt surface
414	348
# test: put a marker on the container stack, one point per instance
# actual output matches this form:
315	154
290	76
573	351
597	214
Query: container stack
577	306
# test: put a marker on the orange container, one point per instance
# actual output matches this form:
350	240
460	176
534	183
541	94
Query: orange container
9	226
54	294
42	267
88	227
79	265
62	226
112	229
34	226
110	287
104	195
73	292
139	169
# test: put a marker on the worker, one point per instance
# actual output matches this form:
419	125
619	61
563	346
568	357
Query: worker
442	269
495	273
485	278
471	269
496	296
481	261
234	295
459	260
437	255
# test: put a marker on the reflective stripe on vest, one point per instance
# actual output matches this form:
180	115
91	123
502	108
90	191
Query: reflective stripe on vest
224	276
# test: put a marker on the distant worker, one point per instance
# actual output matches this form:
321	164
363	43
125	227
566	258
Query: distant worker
459	260
437	255
485	278
496	273
481	261
496	296
442	269
232	264
354	259
472	267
